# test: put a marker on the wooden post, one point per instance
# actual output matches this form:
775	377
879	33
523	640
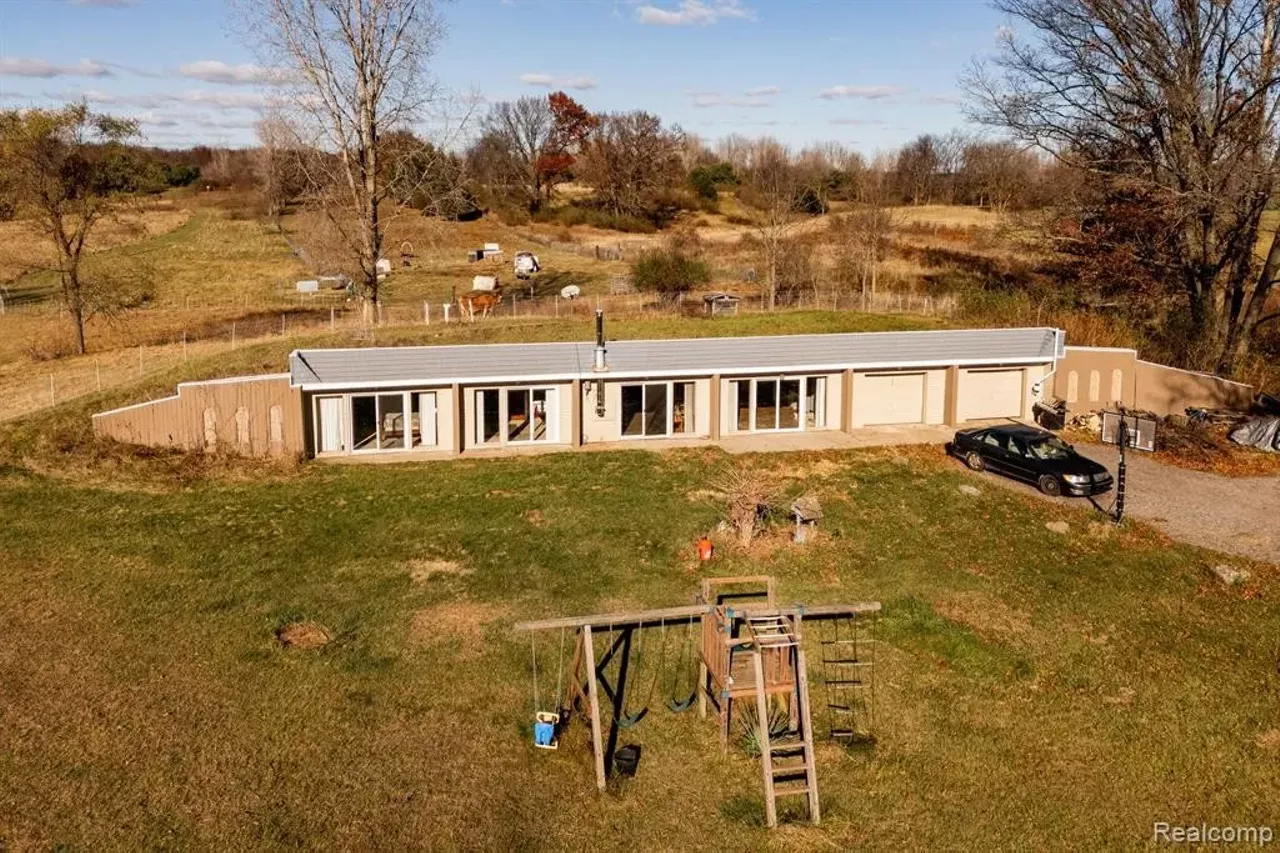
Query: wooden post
593	700
98	367
184	344
139	360
950	404
426	312
332	313
575	418
846	401
53	397
281	322
714	404
233	335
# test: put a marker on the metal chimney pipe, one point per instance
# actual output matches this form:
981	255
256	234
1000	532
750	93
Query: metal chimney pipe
601	362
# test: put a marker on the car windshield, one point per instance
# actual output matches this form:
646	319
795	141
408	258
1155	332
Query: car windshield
1049	447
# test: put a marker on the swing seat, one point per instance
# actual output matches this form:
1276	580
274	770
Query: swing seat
679	705
544	730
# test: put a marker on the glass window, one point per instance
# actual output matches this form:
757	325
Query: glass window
1050	447
488	417
655	409
815	402
541	400
766	404
789	404
329	424
682	408
519	414
364	422
632	409
423	427
743	397
390	421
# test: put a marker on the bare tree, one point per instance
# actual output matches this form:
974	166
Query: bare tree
865	234
53	163
358	69
770	187
1176	98
632	161
519	132
275	165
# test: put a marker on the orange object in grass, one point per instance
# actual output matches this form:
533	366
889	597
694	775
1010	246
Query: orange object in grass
706	550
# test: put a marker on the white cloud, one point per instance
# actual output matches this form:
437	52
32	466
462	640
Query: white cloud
552	81
213	71
870	93
763	91
714	99
158	100
939	100
1004	33
694	13
14	67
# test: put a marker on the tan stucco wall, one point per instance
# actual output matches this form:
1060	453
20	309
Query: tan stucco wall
239	419
1074	381
1170	391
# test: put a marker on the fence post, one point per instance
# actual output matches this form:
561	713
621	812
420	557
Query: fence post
1	303
184	344
53	397
331	318
233	334
426	312
282	323
98	365
139	360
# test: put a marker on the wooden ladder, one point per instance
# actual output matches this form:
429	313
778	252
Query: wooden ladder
787	763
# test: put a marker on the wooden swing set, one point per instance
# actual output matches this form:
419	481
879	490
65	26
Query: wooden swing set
748	647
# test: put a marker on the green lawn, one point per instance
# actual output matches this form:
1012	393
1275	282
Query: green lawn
1033	690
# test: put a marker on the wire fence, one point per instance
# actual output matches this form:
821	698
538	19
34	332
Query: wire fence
164	342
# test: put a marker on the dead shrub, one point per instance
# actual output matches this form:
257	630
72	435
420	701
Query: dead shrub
751	495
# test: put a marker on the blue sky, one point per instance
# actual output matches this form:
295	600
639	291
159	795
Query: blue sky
869	73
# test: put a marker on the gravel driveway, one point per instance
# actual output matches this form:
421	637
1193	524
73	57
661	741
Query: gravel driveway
1235	515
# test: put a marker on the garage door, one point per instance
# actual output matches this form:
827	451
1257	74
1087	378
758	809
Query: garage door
990	394
889	398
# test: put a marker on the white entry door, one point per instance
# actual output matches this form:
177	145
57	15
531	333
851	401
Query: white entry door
329	425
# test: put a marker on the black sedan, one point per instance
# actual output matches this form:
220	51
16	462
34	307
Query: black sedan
1033	455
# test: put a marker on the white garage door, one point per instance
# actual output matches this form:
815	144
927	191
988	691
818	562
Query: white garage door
889	398
990	394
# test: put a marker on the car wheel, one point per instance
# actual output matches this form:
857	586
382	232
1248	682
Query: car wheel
975	461
1050	486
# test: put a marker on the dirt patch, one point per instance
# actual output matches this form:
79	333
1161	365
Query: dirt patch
1270	740
534	517
700	495
303	635
423	570
457	622
984	614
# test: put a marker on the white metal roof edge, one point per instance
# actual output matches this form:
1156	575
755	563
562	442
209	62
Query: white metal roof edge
608	341
134	406
1103	349
590	375
231	380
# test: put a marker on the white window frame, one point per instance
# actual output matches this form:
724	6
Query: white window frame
410	399
692	392
552	435
803	412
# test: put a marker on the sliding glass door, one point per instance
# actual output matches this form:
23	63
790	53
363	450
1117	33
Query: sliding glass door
360	423
514	416
778	404
657	409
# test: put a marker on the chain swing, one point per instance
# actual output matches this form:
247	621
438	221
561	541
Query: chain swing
677	699
546	724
